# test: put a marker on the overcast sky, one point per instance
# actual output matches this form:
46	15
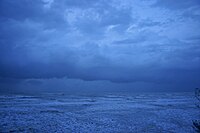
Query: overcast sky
99	45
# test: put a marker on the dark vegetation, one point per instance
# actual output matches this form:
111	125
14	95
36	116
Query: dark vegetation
196	123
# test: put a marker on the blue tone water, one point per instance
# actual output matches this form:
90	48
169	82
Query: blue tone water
144	112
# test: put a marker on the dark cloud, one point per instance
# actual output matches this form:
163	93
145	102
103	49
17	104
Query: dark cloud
34	82
80	40
20	10
130	41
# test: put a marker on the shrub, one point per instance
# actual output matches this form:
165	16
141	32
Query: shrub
196	123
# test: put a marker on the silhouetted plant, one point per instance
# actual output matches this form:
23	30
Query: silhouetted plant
197	95
196	123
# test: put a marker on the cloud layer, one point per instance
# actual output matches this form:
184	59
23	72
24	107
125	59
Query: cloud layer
122	41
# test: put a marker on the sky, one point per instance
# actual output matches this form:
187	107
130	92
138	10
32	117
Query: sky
99	45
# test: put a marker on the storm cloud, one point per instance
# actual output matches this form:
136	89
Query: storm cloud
117	41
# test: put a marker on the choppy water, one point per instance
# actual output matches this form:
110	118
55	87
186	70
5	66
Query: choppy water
160	112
